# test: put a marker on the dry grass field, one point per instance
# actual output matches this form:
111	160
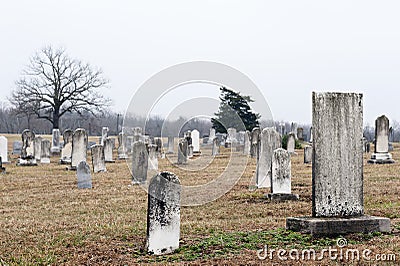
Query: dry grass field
46	220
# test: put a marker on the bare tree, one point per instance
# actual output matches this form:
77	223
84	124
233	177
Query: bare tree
54	84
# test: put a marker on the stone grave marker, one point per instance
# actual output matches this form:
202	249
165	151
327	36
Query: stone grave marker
307	154
17	147
66	151
28	150
98	159
122	146
215	147
79	147
37	147
153	159
291	143
182	151
83	175
108	150
255	140
211	136
45	151
140	162
4	149
381	154
171	144
55	144
196	141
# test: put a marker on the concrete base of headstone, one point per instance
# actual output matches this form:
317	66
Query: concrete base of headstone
122	156
338	226
110	161
65	161
26	162
381	158
45	160
282	197
55	151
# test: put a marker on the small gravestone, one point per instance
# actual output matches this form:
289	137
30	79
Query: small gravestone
281	186
270	140
163	214
159	144
84	176
55	144
231	138
337	171
307	154
66	151
211	136
27	152
247	144
140	162
190	151
79	147
215	147
182	151
311	135
98	160
45	151
17	147
2	169
171	145
291	143
381	154
137	134
255	140
153	160
108	150
196	141
300	133
4	149
104	135
122	146
37	147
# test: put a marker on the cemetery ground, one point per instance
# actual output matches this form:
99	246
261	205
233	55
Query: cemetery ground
45	219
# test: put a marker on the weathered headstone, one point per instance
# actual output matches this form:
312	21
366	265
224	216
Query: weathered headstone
98	159
108	150
291	143
270	140
171	145
66	151
231	138
122	146
55	143
281	186
159	145
79	146
28	150
140	162
247	144
182	151
307	154
153	159
4	149
311	135
45	151
215	147
212	136
17	147
196	141
104	135
37	147
300	133
255	140
163	214
381	154
190	151
83	175
337	178
137	134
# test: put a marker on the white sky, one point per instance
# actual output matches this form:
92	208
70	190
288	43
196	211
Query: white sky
288	48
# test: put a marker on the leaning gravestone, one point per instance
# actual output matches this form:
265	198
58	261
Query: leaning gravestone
270	140
182	151
66	151
381	154
255	140
153	160
27	152
163	214
171	145
196	141
45	151
140	162
79	146
291	143
37	147
281	175
307	154
215	147
83	175
337	171
108	150
98	160
55	147
4	149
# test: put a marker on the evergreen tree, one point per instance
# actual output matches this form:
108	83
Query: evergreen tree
234	111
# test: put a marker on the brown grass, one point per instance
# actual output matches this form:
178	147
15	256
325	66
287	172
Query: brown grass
45	219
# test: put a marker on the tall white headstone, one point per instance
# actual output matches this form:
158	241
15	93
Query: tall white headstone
79	146
55	147
196	140
4	149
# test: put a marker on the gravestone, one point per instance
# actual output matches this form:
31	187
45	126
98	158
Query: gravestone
122	146
2	169
291	143
337	171
17	147
311	135
55	143
4	149
307	154
300	133
137	134
270	140
293	127
79	147
108	150
27	152
255	139
240	137
66	151
45	151
83	175
140	162
381	154
104	135
98	159
211	136
231	138
247	144
171	145
182	151
159	144
281	177
153	159
163	214
215	147
37	147
196	141
190	151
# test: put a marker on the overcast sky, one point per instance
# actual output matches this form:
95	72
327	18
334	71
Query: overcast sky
287	48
